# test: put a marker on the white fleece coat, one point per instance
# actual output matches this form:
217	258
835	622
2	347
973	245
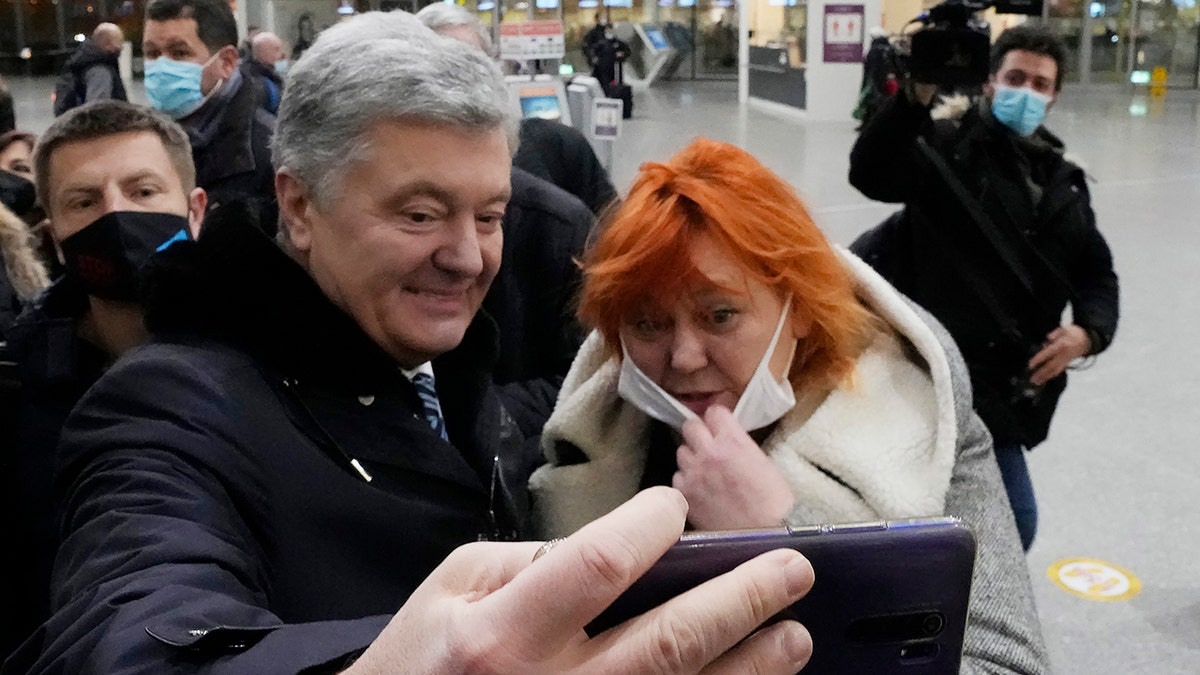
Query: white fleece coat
890	437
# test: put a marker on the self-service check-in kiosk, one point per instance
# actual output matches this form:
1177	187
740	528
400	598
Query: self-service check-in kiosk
542	96
681	39
546	97
653	56
582	94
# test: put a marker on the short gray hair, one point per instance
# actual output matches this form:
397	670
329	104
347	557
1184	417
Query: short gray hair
440	15
380	66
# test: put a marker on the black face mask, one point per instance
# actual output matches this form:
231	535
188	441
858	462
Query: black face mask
17	193
107	256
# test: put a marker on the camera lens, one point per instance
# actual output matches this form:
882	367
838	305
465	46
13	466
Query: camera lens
933	624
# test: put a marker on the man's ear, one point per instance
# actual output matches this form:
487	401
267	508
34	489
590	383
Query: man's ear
228	58
296	208
989	87
197	204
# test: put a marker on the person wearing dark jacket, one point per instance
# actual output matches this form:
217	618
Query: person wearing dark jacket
531	299
267	63
8	116
192	74
594	35
92	73
287	476
997	237
22	273
117	182
562	155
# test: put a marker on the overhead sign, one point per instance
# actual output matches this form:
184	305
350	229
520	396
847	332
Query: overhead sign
606	118
1094	579
532	40
843	35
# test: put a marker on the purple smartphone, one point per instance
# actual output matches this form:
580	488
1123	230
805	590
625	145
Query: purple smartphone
889	597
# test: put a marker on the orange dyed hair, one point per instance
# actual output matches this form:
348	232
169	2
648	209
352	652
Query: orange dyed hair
718	190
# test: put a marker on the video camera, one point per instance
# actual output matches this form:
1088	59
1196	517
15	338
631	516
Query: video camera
954	48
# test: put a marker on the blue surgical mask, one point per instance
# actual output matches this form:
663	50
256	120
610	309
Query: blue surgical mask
1019	108
281	67
174	86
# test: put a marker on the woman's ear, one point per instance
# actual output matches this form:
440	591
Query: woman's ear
801	319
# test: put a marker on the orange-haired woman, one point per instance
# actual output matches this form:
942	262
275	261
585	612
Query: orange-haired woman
738	356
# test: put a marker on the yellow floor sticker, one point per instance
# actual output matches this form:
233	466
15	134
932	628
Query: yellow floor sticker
1094	579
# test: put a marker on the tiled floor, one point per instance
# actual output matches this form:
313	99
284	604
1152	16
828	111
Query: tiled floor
1120	476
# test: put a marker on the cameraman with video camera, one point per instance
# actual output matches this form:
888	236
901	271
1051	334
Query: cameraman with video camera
997	235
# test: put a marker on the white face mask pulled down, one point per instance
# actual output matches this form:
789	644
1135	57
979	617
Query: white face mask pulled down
763	402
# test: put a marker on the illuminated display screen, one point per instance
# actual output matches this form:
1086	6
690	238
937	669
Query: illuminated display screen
656	37
540	102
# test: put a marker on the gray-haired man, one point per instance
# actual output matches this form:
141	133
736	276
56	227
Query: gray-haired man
311	439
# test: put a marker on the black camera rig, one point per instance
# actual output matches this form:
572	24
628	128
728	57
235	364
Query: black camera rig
953	49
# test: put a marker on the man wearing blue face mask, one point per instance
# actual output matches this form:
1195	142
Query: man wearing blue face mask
997	237
192	75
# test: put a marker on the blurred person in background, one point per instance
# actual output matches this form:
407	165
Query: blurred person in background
268	63
93	72
8	117
23	268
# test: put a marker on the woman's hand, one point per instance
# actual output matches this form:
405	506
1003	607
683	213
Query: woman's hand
490	608
729	482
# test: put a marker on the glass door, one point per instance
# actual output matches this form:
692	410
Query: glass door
1109	39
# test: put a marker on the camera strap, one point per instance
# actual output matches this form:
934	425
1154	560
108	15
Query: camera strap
1002	244
982	291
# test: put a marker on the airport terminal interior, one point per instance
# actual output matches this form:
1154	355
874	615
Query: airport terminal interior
1117	479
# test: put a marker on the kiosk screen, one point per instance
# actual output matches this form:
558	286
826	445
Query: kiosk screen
541	102
656	37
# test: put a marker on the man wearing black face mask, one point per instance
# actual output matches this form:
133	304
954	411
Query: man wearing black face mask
117	183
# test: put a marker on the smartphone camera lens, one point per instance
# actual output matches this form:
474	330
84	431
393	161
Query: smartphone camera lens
933	624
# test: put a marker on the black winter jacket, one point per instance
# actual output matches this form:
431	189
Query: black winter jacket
562	155
53	367
532	298
1037	199
213	519
235	164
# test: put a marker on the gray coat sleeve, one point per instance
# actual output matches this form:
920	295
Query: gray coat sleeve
99	82
1003	635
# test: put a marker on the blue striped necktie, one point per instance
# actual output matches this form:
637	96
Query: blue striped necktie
429	399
